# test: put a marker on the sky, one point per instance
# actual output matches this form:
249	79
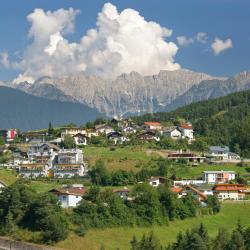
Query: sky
108	38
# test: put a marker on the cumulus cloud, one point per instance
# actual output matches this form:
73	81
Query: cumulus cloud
120	43
219	45
202	37
184	41
4	59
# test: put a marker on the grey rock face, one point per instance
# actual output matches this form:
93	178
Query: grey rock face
209	89
129	94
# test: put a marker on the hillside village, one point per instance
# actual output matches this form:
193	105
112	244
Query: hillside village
60	154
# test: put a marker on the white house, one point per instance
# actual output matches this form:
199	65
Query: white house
172	132
229	191
33	170
70	156
129	130
218	176
73	131
80	139
69	170
104	129
219	152
188	182
69	197
152	125
117	138
187	131
156	181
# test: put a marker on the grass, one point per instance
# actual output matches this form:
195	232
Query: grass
115	238
121	158
8	176
196	172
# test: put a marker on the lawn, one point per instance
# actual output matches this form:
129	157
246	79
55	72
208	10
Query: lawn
125	158
116	238
196	172
8	176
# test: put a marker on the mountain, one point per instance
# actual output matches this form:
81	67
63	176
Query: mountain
210	89
128	94
24	111
220	121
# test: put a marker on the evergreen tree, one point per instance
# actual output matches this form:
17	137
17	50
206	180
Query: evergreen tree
50	129
221	240
237	241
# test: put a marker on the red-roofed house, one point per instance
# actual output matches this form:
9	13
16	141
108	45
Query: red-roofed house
187	131
229	191
152	125
179	191
69	197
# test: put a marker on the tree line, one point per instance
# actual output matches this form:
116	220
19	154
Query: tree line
198	239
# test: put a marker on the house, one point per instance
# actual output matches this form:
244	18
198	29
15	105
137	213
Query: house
69	196
129	130
148	136
69	170
229	191
188	182
187	131
73	131
222	153
172	132
156	181
8	134
218	176
70	156
33	170
34	137
104	129
42	149
179	191
117	138
43	153
123	193
199	195
188	156
152	126
80	139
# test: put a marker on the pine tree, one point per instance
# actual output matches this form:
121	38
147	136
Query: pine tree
221	240
237	241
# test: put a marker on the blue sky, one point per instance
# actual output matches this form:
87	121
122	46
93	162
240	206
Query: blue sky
217	18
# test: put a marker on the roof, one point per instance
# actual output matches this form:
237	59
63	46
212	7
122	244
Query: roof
155	178
152	123
79	191
219	148
202	195
229	187
176	190
3	184
218	172
187	126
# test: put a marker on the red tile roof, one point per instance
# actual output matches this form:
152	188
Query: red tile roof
187	126
229	187
69	191
152	123
176	190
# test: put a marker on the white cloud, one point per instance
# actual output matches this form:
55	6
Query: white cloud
120	43
219	45
4	59
202	37
184	41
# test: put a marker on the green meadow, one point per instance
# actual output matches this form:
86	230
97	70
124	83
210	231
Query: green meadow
119	238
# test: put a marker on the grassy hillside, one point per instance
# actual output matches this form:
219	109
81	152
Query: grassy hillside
121	158
116	238
225	120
